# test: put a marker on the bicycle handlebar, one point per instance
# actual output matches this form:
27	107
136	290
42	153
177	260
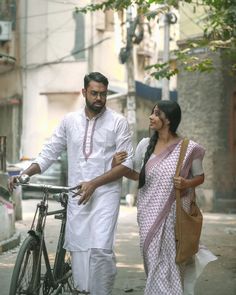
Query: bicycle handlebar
47	188
23	180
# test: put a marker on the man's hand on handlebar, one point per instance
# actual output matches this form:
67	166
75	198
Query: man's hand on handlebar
84	191
14	180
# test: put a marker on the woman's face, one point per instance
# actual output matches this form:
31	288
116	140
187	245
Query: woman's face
157	119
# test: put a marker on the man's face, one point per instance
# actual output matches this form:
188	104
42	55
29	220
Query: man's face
95	96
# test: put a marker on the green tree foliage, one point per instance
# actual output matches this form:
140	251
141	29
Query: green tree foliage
219	32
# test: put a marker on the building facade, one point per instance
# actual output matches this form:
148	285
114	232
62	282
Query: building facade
209	115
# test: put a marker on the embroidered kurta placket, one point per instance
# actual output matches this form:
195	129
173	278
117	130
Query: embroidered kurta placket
88	137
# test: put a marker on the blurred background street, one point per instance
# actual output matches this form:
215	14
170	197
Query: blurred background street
150	51
219	235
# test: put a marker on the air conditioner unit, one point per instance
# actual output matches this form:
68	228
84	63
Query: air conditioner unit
5	30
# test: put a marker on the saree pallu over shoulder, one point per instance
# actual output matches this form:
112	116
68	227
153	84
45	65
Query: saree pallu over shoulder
156	217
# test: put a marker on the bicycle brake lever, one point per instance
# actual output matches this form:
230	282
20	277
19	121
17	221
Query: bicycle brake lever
23	179
77	187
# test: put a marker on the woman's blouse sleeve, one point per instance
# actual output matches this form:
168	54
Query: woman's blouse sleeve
197	168
198	155
140	153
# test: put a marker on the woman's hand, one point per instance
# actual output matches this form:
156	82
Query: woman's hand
180	183
183	183
118	158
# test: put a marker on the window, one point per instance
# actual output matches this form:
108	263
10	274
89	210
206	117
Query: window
105	21
78	51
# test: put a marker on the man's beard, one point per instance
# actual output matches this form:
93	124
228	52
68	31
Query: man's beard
93	107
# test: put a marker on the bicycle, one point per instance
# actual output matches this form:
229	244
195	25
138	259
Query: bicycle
29	277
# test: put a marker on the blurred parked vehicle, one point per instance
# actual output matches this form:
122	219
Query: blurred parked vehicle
55	175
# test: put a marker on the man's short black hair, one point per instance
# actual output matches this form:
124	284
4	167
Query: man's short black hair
97	77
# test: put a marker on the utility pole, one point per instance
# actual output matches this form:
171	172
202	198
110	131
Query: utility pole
131	97
131	188
166	53
91	51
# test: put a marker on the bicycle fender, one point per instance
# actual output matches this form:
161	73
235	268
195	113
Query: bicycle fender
34	234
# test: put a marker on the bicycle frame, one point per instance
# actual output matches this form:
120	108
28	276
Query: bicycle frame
56	275
26	276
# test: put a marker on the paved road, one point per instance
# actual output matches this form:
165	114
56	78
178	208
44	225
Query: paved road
219	235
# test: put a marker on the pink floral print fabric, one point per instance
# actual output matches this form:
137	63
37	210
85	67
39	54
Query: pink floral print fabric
156	219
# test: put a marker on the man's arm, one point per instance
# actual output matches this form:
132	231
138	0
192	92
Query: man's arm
88	187
31	170
132	174
50	152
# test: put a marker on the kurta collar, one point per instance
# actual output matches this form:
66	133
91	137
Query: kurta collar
97	116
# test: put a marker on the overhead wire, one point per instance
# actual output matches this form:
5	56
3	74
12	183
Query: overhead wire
46	37
62	59
192	20
44	14
61	2
57	12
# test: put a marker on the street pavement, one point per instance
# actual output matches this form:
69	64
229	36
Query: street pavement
219	235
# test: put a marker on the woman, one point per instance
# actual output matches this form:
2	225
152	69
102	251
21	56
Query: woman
154	166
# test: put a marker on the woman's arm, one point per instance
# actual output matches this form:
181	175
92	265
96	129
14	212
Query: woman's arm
197	176
120	157
183	183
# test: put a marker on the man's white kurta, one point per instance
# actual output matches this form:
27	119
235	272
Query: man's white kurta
90	146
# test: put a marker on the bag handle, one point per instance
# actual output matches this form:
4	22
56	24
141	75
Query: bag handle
183	149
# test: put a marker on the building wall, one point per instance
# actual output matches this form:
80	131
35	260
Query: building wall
51	75
206	99
10	84
191	20
143	111
106	28
40	116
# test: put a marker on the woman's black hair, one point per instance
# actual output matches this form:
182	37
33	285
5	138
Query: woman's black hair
172	111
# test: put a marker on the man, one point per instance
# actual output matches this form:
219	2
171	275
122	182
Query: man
91	136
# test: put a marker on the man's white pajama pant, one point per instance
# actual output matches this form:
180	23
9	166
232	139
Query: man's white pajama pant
94	271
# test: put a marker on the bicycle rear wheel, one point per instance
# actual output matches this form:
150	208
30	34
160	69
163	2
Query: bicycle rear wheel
26	274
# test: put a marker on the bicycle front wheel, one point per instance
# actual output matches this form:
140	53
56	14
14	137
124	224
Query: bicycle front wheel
26	274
